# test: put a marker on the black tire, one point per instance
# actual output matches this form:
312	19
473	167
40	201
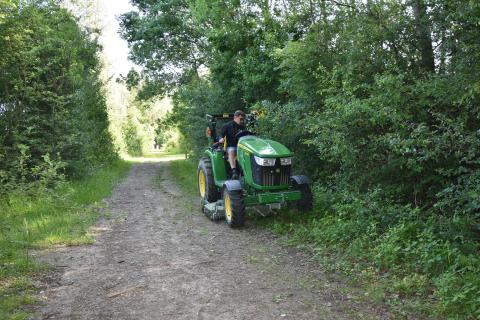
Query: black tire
305	204
210	192
234	208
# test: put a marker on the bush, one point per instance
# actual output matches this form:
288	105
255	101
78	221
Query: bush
132	139
52	105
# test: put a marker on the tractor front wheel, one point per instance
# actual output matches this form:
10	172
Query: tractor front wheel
205	181
234	208
305	204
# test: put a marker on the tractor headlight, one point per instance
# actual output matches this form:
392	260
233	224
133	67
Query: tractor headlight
285	161
268	162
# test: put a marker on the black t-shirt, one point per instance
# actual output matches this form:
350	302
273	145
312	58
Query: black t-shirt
229	130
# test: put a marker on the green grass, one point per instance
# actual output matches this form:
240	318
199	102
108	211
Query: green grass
44	219
185	173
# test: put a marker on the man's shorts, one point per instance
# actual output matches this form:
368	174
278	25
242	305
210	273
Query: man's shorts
232	148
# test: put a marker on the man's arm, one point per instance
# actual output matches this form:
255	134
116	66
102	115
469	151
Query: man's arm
223	132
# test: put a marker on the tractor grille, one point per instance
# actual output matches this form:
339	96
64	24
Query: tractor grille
274	179
270	176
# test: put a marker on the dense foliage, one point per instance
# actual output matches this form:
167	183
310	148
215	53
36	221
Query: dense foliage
53	119
378	99
53	127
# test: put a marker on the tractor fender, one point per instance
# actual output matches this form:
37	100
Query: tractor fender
233	185
300	179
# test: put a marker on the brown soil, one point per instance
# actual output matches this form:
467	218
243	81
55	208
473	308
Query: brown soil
158	257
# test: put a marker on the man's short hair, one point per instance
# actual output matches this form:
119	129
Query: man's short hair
239	113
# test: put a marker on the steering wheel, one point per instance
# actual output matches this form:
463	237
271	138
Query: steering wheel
216	145
243	133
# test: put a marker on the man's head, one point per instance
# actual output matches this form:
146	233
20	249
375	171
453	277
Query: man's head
239	117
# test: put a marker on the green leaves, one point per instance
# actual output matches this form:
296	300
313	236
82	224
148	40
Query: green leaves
164	39
53	114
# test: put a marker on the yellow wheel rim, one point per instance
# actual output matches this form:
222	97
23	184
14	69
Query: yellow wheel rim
202	186
228	207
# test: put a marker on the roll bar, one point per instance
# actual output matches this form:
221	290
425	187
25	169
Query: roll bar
212	121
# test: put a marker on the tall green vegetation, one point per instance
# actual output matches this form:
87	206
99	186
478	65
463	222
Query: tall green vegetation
141	129
53	118
57	159
378	99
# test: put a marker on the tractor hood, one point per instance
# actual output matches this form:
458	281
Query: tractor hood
263	147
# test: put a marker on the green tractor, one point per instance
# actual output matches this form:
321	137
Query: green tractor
265	176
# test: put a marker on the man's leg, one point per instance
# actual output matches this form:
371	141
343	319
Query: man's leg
231	159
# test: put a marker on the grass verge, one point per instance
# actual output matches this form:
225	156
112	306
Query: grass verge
42	219
184	171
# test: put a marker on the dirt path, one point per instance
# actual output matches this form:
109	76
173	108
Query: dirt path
158	257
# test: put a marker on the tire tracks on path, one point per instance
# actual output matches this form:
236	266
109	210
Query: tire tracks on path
158	257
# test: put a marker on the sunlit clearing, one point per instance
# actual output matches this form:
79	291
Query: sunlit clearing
155	156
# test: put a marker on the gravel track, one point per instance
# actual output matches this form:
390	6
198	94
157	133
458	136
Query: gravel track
158	257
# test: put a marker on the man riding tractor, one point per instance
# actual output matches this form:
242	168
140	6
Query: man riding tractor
258	174
229	138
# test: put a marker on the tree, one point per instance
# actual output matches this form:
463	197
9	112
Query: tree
51	97
164	40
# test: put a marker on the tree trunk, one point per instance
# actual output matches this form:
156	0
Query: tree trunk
422	27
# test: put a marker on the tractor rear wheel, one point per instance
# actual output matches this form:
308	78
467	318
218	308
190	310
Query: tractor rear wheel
205	181
234	208
305	204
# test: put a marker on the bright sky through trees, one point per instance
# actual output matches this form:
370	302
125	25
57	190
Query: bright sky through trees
114	47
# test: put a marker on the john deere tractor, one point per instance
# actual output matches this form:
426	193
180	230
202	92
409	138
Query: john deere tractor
265	176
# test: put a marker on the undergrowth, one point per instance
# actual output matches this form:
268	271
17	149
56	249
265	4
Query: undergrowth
184	171
420	264
38	218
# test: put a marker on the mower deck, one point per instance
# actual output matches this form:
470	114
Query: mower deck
216	210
